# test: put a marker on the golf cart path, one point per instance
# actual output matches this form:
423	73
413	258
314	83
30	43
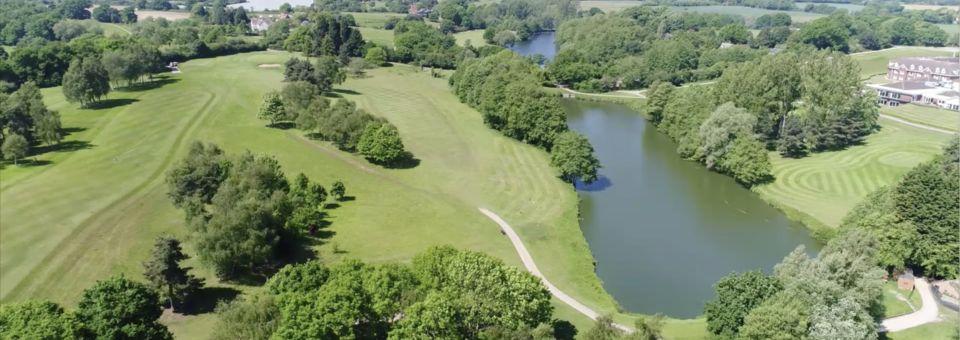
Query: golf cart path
532	268
929	311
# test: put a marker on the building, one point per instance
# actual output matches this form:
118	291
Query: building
918	92
939	69
905	281
260	23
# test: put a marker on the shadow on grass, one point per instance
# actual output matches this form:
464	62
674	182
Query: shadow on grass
72	130
346	91
149	85
25	163
67	146
282	125
110	103
207	298
405	162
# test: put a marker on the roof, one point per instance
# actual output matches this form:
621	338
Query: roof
949	66
907	85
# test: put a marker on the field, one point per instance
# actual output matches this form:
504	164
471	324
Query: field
926	6
951	29
849	7
749	13
820	188
474	36
92	207
931	116
169	15
378	36
372	19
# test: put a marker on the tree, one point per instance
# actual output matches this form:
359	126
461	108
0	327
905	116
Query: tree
86	81
736	295
380	143
338	190
272	108
198	176
328	73
791	143
843	320
783	316
165	274
37	320
734	33
926	197
254	318
105	13
15	147
747	161
357	67
718	132
47	128
573	156
603	329
660	93
376	56
648	328
118	308
825	33
128	15
74	9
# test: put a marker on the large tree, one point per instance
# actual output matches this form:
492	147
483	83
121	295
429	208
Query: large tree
37	320
86	81
380	142
198	176
118	308
573	156
736	295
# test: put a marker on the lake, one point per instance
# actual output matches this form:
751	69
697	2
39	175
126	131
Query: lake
662	229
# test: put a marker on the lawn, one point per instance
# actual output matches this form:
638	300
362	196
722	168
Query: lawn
378	36
475	37
821	188
93	207
926	115
894	305
373	19
875	62
951	29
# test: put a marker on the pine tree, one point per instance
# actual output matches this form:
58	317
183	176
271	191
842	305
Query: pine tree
165	274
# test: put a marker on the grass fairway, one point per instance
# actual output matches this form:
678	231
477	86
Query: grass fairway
92	210
821	188
475	37
926	115
378	36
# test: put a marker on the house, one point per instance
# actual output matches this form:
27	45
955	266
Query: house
905	280
260	23
938	69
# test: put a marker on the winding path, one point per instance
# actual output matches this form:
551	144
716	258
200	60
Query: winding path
532	268
929	312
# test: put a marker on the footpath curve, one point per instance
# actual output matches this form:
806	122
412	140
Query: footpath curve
929	312
532	268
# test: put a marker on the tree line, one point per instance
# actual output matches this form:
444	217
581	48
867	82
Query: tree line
915	219
426	298
795	102
836	295
26	124
506	89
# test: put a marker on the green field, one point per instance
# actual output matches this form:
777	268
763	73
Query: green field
893	305
373	19
378	36
951	29
474	36
93	208
821	188
926	115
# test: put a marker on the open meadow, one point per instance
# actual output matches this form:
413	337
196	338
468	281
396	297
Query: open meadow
749	13
92	207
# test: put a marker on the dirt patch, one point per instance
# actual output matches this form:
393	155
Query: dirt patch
269	66
169	15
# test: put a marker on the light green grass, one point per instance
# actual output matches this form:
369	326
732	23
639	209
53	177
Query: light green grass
823	187
94	212
378	36
475	37
951	29
373	19
926	115
893	305
947	329
875	62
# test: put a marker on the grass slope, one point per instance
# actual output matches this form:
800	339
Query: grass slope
475	37
893	305
378	36
373	19
926	115
92	209
820	188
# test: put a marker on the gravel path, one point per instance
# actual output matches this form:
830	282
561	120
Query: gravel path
532	268
928	313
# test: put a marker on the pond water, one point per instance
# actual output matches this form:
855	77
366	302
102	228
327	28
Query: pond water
263	5
663	230
540	43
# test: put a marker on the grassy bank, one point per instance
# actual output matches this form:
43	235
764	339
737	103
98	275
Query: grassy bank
926	115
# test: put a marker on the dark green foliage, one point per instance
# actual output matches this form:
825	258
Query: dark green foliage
198	175
825	33
657	100
603	329
118	308
376	56
343	124
308	199
573	156
165	274
505	88
15	147
105	13
783	316
253	318
132	62
86	81
326	34
299	278
323	74
41	320
772	20
772	36
736	295
747	162
416	42
380	143
25	121
791	142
